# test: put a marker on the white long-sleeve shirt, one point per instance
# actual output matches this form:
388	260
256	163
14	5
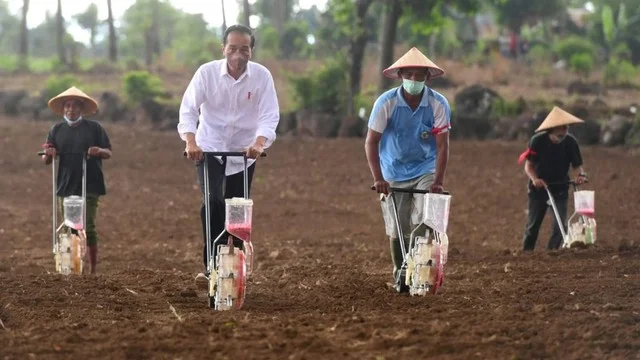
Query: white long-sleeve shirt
233	113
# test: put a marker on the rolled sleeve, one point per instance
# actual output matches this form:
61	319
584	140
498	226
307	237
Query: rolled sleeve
534	149
269	112
574	153
441	116
189	108
379	115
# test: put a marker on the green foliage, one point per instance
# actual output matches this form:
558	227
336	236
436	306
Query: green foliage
191	52
8	62
322	90
268	41
141	85
621	51
58	83
421	18
366	98
178	31
608	24
581	63
620	72
573	45
540	54
513	13
502	107
293	42
88	20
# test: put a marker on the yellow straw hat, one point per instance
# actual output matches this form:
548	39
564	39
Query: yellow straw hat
558	117
56	104
413	59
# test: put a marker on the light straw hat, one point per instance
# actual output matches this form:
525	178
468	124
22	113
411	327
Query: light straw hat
56	104
558	117
413	59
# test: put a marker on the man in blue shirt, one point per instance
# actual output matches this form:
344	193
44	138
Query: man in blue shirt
407	143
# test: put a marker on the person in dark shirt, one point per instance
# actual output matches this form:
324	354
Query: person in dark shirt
551	153
70	140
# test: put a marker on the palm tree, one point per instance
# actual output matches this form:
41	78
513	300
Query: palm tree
224	17
24	35
113	48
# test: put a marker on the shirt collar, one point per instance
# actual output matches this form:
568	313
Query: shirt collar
424	102
225	71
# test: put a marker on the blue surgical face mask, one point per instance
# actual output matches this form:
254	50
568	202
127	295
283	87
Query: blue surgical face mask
72	122
412	87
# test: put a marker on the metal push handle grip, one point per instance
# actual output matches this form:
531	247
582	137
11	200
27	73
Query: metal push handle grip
41	153
411	191
570	182
225	153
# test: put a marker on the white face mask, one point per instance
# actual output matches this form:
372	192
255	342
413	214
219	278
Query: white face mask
413	87
72	122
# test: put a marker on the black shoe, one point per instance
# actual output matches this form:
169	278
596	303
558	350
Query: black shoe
400	281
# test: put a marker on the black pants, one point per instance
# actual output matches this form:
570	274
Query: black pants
220	187
537	210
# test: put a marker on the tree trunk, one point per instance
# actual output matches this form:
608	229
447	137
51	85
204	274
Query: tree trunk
224	18
393	9
148	47
433	39
113	48
24	35
92	39
358	46
155	28
246	11
60	34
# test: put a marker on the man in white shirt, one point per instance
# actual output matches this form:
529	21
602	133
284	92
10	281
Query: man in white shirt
229	105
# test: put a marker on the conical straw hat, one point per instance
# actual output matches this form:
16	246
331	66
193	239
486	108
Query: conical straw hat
558	117
56	104
413	58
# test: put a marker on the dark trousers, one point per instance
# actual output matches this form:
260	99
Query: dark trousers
220	187
537	210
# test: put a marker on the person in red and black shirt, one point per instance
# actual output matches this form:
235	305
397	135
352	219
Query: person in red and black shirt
551	154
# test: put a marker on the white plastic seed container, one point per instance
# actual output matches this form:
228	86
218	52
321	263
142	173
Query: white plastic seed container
73	212
238	217
436	211
584	202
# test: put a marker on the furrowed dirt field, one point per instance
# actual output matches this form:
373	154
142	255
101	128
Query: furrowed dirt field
322	262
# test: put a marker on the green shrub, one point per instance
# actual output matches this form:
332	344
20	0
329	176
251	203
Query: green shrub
501	107
141	85
574	45
540	54
620	72
323	90
621	51
56	84
581	63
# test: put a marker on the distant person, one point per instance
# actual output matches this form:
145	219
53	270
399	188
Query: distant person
229	105
407	143
547	161
68	140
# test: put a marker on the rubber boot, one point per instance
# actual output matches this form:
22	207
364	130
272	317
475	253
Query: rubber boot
92	250
396	255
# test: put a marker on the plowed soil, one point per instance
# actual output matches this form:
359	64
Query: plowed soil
322	262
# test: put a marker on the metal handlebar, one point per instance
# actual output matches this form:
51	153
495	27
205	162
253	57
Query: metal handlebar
411	191
42	153
207	193
54	199
226	153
